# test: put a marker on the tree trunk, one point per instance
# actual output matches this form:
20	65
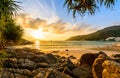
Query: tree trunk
2	46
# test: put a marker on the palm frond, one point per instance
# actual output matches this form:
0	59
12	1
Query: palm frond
83	7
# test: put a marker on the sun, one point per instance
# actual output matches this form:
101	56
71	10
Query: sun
37	34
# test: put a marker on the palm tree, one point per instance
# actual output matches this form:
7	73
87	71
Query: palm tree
8	8
87	6
9	30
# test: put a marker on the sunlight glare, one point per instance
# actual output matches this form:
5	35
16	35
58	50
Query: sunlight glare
38	34
37	44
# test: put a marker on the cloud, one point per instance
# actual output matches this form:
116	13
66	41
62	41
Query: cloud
55	26
58	27
82	28
26	21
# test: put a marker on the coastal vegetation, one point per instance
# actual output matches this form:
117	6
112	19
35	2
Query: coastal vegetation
102	34
9	30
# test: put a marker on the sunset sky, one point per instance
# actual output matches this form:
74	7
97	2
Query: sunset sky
49	20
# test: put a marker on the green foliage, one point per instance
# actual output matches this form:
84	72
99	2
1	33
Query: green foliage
87	6
11	32
8	8
113	31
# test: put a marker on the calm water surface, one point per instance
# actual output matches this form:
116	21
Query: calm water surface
73	45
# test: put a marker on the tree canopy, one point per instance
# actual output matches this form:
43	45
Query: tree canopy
8	8
83	7
9	30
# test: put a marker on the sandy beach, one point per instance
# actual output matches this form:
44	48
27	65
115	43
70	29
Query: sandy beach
78	53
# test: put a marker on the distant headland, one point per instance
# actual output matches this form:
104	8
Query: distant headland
103	34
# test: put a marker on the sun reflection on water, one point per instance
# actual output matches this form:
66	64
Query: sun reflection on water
37	44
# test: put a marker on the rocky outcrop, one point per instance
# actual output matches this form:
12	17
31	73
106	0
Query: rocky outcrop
97	65
88	58
50	73
31	63
43	59
111	69
83	71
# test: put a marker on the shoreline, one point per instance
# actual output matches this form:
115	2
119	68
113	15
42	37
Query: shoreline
78	53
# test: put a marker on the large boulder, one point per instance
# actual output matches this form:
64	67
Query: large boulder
88	58
97	65
111	69
83	71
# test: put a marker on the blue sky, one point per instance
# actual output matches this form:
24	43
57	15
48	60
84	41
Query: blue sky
53	10
103	18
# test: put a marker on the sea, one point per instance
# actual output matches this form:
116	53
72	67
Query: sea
70	45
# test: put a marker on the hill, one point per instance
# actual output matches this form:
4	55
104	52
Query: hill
20	42
112	31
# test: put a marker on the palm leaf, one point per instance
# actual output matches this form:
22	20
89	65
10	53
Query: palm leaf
83	7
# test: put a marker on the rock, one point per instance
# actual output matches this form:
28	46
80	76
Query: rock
57	56
42	65
66	50
27	62
8	75
21	60
63	57
102	55
72	57
25	72
97	66
55	51
52	57
38	53
116	56
69	64
111	69
15	73
39	75
88	58
56	74
83	71
50	73
65	70
117	60
66	66
42	59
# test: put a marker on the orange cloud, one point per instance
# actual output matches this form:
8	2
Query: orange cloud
54	28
